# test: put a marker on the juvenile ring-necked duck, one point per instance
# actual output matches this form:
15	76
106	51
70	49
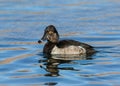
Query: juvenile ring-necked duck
56	46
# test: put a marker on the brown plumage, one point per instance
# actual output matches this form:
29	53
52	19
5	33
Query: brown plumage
56	46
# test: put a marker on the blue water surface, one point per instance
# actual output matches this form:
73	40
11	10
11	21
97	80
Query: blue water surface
95	22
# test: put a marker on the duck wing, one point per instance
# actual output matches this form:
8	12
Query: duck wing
66	43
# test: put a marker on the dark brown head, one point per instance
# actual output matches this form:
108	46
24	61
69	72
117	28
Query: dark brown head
50	34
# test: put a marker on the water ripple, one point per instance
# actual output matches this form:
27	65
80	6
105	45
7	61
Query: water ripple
12	59
22	24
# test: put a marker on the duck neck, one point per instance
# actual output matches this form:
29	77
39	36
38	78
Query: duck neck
48	47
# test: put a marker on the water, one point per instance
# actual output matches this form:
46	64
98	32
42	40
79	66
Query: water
22	22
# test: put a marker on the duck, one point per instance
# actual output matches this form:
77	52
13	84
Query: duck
56	46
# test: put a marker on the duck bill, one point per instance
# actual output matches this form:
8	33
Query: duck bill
44	37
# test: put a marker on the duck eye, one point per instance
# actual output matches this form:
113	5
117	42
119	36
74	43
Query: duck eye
50	32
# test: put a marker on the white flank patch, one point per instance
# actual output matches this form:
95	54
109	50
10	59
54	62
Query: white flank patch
69	50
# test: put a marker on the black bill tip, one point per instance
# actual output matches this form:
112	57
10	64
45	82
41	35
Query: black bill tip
39	41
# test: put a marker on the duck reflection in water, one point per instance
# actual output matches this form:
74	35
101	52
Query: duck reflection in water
61	51
51	63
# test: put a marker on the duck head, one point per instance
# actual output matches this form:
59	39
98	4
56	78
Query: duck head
50	34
